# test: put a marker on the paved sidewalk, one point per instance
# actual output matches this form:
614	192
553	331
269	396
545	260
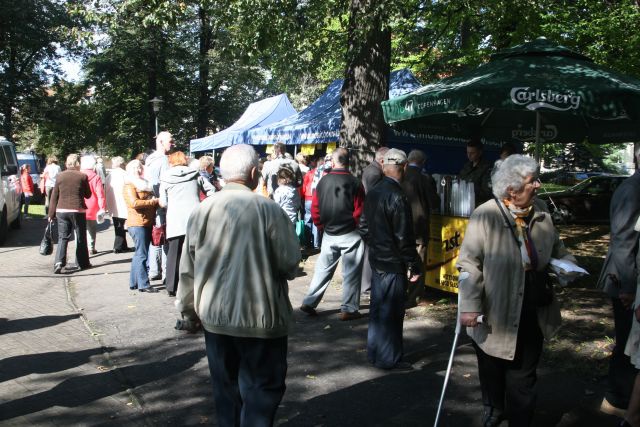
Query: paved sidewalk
82	349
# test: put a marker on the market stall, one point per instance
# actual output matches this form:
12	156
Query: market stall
535	92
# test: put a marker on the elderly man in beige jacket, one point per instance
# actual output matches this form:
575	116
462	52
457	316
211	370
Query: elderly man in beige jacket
239	251
503	261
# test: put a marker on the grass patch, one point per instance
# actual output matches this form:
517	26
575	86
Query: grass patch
36	211
548	187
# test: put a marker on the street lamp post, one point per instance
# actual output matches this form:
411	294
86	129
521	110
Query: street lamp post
156	103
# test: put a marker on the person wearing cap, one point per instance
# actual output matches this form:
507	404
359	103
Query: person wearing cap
478	171
336	209
394	263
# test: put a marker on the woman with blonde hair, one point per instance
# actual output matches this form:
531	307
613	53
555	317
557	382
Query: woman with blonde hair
114	187
141	213
49	175
68	206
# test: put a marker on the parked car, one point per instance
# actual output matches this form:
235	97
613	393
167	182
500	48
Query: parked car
33	160
10	190
587	201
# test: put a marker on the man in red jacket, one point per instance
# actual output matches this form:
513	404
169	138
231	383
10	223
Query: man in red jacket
336	209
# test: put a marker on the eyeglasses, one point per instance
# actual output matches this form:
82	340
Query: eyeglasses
533	181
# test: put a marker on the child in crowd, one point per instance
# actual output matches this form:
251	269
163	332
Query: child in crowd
27	186
286	195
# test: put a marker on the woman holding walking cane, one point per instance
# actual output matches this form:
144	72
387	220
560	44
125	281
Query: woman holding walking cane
503	275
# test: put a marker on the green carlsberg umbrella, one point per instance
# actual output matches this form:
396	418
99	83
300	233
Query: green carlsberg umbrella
536	91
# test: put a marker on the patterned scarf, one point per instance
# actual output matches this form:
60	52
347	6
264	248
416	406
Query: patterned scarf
527	248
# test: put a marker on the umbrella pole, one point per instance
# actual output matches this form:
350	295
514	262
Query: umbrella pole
538	137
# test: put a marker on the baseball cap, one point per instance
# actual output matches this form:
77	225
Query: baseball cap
395	157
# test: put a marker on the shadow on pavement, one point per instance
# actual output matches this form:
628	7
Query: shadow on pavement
30	324
84	389
44	363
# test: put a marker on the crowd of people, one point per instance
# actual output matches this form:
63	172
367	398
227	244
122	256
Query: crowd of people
226	247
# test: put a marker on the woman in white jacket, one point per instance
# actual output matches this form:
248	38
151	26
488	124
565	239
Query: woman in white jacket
116	204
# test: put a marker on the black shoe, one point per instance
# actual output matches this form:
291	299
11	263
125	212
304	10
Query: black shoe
158	277
150	290
492	417
93	251
121	251
402	366
308	309
171	294
57	269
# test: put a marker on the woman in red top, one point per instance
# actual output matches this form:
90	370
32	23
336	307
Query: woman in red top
27	186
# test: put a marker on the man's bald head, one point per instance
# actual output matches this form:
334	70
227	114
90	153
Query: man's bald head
380	152
340	158
164	142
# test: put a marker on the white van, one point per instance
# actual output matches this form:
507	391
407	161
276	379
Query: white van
10	190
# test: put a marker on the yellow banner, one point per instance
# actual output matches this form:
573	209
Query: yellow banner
308	149
444	247
330	147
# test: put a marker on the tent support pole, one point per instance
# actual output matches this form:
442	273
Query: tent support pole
538	137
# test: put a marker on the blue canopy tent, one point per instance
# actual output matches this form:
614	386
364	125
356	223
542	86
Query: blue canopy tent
260	113
320	122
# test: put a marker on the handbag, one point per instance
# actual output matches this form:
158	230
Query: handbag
538	284
300	230
159	235
46	245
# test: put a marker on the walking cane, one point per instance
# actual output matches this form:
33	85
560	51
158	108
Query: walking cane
479	319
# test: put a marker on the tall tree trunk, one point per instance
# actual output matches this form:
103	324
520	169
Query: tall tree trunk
206	39
366	82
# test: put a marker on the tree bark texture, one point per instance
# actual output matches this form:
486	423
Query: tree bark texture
366	82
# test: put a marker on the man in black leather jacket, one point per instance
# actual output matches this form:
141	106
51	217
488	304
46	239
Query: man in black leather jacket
394	261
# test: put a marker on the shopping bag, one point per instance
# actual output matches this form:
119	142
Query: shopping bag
46	245
159	235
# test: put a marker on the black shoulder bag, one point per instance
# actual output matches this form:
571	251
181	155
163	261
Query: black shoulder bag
538	285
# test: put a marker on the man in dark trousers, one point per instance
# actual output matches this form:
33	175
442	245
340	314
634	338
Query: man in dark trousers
618	279
239	251
420	189
336	209
68	205
394	263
